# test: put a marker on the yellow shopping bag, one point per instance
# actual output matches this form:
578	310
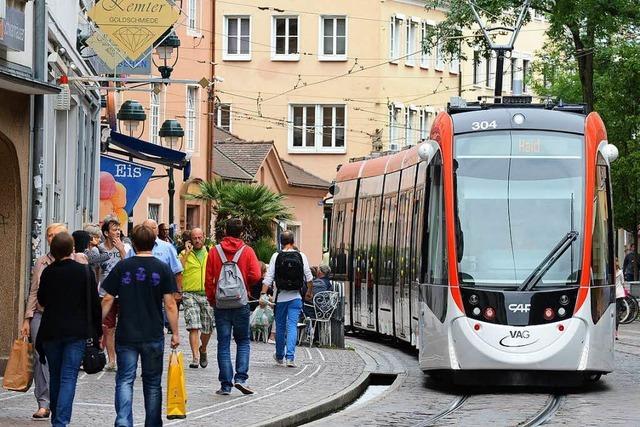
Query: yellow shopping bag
176	387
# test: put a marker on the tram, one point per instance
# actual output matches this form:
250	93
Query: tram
489	247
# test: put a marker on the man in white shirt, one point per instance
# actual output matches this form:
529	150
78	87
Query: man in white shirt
289	269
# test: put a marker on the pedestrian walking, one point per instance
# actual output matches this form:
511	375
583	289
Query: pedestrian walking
64	286
232	267
32	319
289	270
166	253
141	283
117	250
198	314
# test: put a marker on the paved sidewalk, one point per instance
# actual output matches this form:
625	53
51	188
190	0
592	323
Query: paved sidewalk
321	374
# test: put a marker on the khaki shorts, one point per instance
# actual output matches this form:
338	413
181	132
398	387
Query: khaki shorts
198	314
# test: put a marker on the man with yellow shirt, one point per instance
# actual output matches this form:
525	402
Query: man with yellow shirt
198	314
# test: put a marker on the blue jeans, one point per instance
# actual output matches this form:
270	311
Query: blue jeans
287	314
236	321
64	358
151	354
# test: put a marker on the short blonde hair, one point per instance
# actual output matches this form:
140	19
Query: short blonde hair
57	225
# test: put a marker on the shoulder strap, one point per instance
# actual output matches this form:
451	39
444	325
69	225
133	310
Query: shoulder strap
223	257
236	257
89	314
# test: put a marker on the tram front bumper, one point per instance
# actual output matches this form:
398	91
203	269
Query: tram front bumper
481	345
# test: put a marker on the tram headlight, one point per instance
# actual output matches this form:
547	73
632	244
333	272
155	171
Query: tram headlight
564	300
473	299
489	313
548	313
562	311
476	311
518	118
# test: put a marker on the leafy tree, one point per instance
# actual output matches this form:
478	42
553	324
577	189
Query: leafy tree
256	205
616	73
575	26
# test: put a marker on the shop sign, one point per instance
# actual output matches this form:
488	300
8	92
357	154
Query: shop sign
121	184
134	25
111	61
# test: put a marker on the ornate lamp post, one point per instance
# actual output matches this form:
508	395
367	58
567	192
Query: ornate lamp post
164	51
131	114
172	133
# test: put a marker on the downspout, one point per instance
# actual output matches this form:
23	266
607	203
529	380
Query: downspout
37	143
211	116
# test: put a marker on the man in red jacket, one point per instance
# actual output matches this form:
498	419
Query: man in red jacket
236	319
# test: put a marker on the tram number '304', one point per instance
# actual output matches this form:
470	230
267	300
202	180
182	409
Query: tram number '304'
484	125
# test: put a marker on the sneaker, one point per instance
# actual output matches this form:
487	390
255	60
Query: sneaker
278	361
223	392
291	364
270	341
203	359
243	388
111	367
194	364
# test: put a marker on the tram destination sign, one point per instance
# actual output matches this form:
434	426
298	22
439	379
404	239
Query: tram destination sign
133	25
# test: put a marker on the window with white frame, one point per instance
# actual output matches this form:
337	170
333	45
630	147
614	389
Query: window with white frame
410	136
439	56
192	12
454	65
425	48
333	38
317	128
395	112
223	116
411	46
476	68
191	117
425	123
154	106
394	38
525	75
237	34
153	211
285	38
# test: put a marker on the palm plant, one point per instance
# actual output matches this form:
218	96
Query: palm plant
256	205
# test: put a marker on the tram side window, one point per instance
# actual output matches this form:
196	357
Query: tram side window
418	242
437	259
341	238
602	247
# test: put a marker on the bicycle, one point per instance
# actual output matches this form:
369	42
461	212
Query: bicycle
628	309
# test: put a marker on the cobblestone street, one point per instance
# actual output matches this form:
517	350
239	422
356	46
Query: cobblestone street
325	375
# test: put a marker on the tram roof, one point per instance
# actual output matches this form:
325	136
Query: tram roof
379	165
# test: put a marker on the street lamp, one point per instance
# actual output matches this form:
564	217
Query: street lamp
164	50
171	132
131	114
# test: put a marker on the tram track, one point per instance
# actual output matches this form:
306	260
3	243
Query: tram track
554	403
453	406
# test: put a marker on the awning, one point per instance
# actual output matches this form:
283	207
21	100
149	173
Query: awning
148	152
18	83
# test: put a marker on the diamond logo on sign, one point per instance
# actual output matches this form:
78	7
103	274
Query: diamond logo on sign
133	25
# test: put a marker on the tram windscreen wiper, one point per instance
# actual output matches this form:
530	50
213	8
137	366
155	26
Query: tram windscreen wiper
548	261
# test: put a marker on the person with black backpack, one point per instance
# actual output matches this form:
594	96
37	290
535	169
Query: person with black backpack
289	269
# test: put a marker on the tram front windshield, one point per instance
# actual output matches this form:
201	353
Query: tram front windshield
518	194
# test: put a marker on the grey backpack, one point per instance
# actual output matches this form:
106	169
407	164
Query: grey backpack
231	291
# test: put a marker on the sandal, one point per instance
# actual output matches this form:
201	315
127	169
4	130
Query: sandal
41	415
195	364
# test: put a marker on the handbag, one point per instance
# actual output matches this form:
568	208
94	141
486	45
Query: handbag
94	358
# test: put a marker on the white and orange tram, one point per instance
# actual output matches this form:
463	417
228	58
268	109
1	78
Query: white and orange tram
489	247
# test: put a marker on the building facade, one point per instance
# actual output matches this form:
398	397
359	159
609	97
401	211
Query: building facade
48	141
334	80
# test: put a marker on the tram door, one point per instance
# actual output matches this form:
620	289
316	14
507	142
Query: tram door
366	252
404	237
417	247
